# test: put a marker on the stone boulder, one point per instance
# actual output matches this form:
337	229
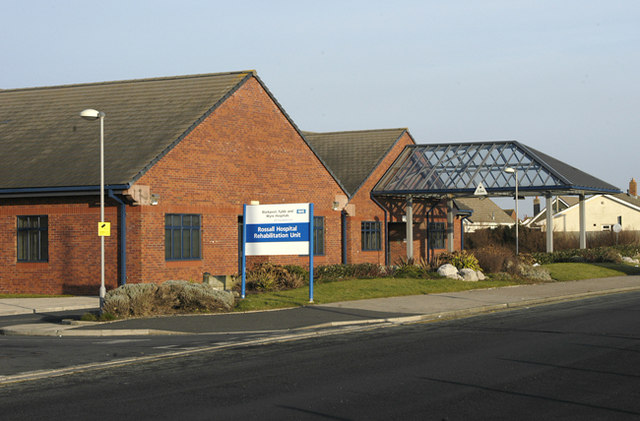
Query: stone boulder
468	275
449	271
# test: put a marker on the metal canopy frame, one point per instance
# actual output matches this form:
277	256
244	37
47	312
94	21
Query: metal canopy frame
457	169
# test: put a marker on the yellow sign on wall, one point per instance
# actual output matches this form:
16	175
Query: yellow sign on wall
104	229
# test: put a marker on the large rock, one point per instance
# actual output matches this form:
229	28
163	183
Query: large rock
468	275
449	271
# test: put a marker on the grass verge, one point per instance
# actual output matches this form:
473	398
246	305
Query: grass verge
361	289
577	271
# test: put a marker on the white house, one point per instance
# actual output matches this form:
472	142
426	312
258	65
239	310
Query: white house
486	214
603	212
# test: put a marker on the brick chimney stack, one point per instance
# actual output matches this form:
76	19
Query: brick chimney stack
536	206
633	188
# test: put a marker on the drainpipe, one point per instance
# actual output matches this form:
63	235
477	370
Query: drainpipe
123	237
462	232
344	237
386	230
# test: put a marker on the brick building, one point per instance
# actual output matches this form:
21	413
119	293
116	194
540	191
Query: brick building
182	156
375	228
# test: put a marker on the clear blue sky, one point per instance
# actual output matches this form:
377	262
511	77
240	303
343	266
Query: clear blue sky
560	76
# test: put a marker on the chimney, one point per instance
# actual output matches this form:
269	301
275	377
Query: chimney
536	206
633	188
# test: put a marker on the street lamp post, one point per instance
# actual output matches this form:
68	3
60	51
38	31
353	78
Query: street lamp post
91	114
513	171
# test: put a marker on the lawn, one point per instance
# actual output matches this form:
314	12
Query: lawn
360	289
576	271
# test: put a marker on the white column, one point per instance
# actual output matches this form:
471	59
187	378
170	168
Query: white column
409	227
583	222
450	225
549	224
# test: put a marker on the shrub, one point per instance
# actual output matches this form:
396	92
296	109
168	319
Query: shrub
168	298
270	277
460	259
342	272
299	271
495	259
593	255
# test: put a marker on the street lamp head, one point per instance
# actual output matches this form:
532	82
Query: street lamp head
91	114
510	170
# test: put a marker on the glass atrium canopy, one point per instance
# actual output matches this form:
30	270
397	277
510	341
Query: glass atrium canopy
457	169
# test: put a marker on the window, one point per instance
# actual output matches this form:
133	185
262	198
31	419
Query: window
33	238
318	235
435	232
182	237
371	235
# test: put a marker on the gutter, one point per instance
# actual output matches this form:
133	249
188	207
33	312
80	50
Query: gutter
57	191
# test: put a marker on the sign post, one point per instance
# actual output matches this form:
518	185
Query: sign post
283	229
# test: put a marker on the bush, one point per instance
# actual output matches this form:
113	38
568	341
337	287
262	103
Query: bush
495	259
342	272
171	297
460	259
594	255
270	277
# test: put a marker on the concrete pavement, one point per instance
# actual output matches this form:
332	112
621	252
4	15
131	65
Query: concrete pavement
14	306
383	310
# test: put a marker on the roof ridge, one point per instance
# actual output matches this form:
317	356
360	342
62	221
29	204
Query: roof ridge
355	131
126	81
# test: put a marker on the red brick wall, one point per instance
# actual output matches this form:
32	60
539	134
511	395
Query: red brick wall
368	210
398	249
245	150
73	266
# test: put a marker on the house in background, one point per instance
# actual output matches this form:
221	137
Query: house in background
485	214
558	204
602	212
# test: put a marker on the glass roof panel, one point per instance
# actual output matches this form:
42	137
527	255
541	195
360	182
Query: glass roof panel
460	168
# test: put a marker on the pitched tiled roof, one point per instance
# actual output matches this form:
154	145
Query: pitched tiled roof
558	204
352	156
45	143
484	210
625	197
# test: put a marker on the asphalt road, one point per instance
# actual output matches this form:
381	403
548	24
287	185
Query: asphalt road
576	360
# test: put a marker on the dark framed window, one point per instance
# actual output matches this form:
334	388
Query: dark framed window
436	234
33	238
371	237
318	235
182	237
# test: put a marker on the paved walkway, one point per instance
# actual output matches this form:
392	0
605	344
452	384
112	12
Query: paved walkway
390	310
